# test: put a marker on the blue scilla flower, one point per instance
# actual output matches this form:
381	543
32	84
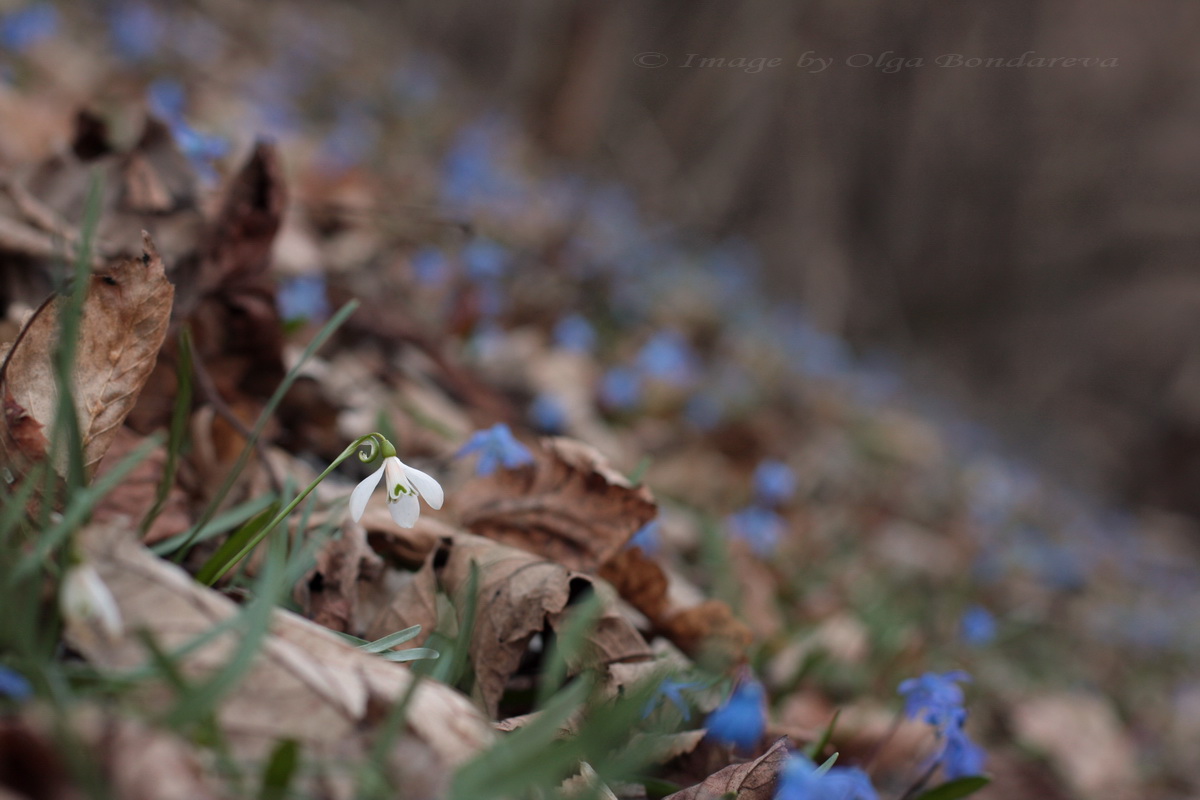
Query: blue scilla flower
961	757
23	29
939	697
136	30
672	691
496	447
801	779
430	266
646	538
668	357
977	626
14	685
485	259
774	482
575	333
547	414
621	388
742	720
473	173
759	527
303	297
167	100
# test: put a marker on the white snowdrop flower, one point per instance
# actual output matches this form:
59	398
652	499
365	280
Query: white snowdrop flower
404	485
84	597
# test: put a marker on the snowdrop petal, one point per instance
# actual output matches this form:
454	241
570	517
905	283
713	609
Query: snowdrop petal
428	488
405	510
362	493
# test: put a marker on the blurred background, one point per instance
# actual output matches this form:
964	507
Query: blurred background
1024	237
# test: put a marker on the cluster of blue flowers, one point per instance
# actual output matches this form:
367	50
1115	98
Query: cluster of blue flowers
23	29
759	524
938	700
496	447
801	779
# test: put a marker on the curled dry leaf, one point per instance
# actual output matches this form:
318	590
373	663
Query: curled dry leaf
304	683
708	630
519	595
329	593
571	506
754	780
125	315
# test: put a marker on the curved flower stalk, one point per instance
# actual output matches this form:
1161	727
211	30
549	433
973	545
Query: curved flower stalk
404	485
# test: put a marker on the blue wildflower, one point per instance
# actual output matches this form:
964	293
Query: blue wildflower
547	414
671	690
136	30
23	29
575	333
939	696
303	297
961	757
496	447
742	720
167	100
668	357
430	266
759	527
977	626
621	388
485	259
13	684
801	779
646	538
774	482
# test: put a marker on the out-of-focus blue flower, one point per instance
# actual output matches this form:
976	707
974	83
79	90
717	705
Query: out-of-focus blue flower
430	266
938	696
303	297
23	29
547	414
473	175
485	259
496	447
759	527
136	29
167	100
961	757
575	333
742	720
801	779
774	482
977	626
671	690
646	538
621	388
14	685
668	357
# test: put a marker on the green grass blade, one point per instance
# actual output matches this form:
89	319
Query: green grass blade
179	427
280	770
268	411
953	790
219	524
391	640
233	548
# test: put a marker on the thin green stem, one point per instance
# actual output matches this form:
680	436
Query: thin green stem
212	571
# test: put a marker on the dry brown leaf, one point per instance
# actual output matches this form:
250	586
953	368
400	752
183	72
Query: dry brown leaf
571	506
134	496
519	596
754	780
708	630
125	315
329	593
305	683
